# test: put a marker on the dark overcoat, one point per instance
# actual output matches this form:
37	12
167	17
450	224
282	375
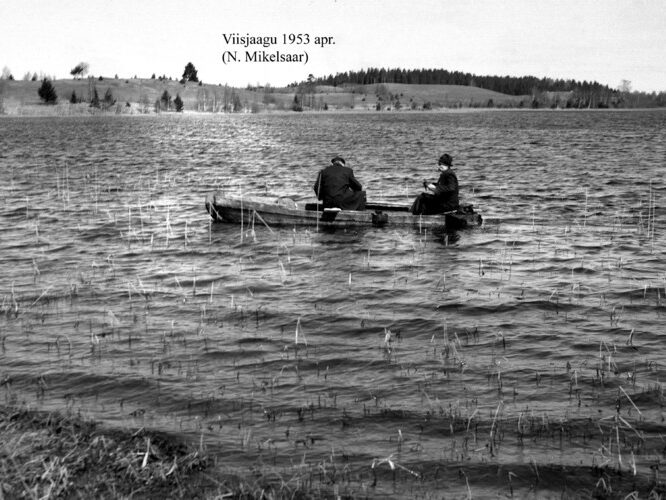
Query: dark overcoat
443	199
337	187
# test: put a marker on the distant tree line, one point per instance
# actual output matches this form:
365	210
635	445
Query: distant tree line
583	94
511	85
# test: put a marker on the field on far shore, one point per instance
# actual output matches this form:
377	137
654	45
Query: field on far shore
140	95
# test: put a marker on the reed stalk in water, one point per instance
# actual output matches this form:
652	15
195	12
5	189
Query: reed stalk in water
298	333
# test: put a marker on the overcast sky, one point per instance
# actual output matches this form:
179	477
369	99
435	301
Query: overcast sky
602	40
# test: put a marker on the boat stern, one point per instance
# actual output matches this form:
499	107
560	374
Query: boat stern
210	207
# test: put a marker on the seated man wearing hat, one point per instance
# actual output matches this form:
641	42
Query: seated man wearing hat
337	187
440	197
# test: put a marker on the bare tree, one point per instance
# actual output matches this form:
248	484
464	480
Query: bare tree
144	102
166	100
268	97
201	99
625	86
311	88
226	107
382	92
2	98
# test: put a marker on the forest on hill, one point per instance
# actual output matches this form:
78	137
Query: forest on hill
580	94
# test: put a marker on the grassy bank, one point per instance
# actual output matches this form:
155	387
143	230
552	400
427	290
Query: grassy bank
47	455
54	456
143	95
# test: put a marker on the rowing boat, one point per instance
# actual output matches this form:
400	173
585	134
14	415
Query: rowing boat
280	211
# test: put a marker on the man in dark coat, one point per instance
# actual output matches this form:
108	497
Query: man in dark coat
440	197
337	187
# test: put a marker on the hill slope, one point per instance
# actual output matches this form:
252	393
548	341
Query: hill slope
141	95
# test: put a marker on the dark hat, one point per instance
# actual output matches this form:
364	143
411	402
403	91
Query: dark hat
446	159
339	159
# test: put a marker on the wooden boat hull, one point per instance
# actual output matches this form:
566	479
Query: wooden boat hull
285	212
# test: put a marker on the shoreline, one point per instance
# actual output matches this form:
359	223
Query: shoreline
48	111
151	96
55	455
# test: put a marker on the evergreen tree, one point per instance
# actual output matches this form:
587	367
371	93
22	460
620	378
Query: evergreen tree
190	73
108	99
296	105
236	102
94	102
47	92
178	102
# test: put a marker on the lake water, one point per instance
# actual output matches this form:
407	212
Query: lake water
522	358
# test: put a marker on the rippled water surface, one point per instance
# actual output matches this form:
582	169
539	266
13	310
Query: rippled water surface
525	357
